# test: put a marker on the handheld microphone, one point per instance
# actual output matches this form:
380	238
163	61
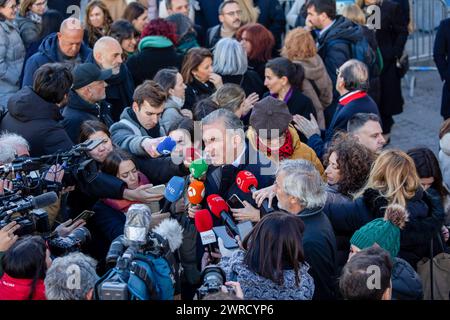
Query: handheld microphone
198	168
137	224
173	192
37	202
166	146
220	209
196	192
204	224
247	182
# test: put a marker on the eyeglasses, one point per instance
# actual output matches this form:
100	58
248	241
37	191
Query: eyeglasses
233	13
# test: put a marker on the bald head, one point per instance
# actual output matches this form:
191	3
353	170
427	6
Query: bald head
70	37
108	54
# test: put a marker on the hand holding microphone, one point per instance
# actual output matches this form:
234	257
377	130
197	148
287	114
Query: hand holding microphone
247	182
166	146
220	209
150	146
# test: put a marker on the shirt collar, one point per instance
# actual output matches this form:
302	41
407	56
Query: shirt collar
326	28
237	162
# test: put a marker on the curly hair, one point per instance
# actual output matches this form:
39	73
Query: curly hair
354	161
299	45
161	27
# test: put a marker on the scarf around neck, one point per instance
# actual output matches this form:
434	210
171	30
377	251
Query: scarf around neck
284	152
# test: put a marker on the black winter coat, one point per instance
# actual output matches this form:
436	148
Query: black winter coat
196	91
391	40
441	58
37	121
319	244
120	89
250	82
406	283
426	216
78	110
145	64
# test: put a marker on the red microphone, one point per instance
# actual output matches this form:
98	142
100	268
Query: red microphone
220	209
204	224
196	192
247	182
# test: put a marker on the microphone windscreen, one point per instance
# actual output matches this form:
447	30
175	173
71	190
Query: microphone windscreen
198	168
245	180
166	146
44	200
196	192
137	224
174	189
203	220
216	204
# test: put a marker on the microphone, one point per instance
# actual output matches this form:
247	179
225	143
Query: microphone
247	182
196	192
198	168
40	201
166	146
170	230
204	224
219	208
137	225
173	192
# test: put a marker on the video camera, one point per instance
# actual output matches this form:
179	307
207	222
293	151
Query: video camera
212	279
27	174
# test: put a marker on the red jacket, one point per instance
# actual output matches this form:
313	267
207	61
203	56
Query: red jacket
19	289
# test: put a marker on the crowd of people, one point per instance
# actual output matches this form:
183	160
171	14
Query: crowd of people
308	112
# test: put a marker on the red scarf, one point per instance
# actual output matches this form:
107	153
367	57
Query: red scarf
284	152
123	204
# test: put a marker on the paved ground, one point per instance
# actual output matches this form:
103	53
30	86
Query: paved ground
420	121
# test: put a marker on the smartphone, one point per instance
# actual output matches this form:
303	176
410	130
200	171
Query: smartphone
85	215
228	242
235	203
158	189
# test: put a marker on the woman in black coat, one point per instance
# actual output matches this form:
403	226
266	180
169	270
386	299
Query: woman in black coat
156	50
230	62
284	79
197	72
391	38
441	57
393	179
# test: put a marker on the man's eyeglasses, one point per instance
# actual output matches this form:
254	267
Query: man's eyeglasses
233	13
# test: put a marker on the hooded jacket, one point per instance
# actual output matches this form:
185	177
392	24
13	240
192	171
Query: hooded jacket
12	54
334	52
172	114
79	110
301	150
49	53
154	53
120	89
317	86
37	121
128	133
19	289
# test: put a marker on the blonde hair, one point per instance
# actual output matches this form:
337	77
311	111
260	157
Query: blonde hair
299	45
250	13
395	176
354	13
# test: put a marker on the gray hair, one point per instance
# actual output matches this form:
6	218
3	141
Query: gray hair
303	181
230	57
225	116
59	277
355	75
8	144
360	119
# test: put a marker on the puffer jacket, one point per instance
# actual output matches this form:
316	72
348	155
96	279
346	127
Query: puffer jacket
406	283
12	55
317	86
29	30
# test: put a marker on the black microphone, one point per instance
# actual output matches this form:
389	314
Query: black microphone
40	201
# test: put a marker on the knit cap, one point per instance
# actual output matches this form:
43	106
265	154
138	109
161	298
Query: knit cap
383	231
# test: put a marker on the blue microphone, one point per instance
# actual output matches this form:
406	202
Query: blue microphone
166	146
174	191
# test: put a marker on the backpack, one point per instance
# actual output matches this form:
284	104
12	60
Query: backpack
362	51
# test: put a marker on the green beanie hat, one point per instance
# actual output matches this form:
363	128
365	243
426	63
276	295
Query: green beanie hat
383	231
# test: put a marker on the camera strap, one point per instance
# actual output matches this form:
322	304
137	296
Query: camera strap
142	274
